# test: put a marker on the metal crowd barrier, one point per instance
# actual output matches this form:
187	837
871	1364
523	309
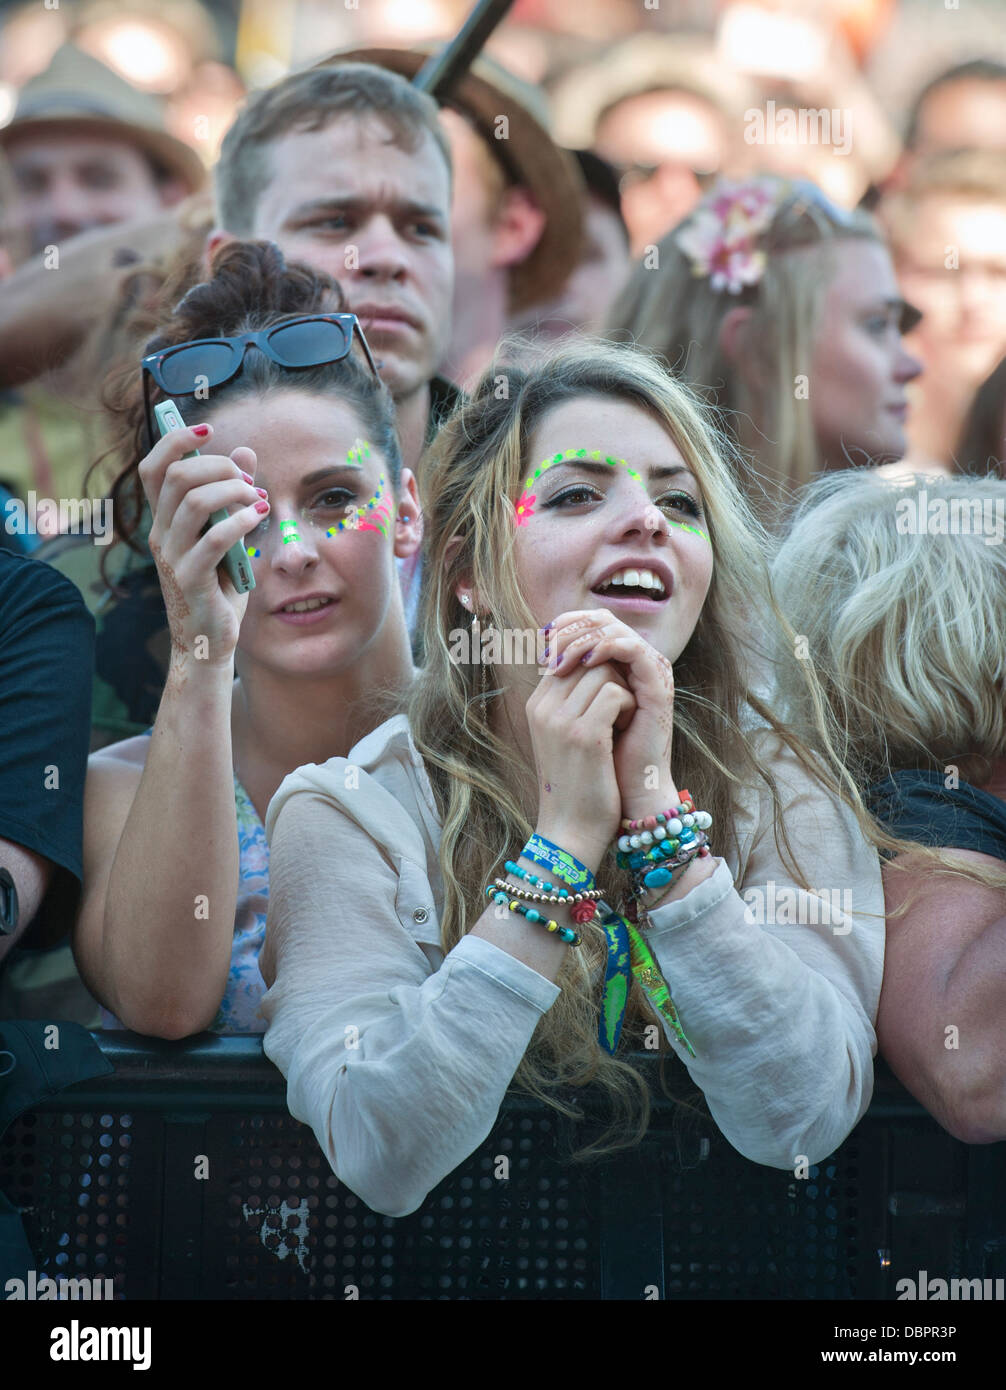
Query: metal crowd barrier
182	1176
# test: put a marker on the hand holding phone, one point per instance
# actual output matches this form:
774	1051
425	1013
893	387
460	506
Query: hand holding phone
236	561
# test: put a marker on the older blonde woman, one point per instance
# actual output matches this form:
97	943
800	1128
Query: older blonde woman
898	594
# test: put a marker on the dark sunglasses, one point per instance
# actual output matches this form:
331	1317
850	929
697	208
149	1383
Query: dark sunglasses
310	341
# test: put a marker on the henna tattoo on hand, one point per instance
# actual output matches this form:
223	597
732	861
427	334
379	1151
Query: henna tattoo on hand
174	600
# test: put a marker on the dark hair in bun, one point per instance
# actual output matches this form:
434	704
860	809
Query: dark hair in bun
251	288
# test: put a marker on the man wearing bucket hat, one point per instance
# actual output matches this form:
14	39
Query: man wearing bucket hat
519	202
87	149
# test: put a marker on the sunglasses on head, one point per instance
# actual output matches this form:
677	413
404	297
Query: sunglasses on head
310	341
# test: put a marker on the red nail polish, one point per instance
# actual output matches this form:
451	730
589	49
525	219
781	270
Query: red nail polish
261	506
201	430
248	478
260	490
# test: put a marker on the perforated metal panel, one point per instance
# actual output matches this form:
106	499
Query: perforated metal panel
72	1175
285	1227
753	1232
184	1177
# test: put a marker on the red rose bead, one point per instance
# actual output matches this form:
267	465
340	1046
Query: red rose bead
582	912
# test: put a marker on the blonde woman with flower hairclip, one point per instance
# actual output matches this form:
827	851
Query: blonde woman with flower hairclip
783	310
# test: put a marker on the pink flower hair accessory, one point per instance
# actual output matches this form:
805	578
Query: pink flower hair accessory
721	237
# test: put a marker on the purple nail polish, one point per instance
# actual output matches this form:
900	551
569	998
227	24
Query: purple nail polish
586	658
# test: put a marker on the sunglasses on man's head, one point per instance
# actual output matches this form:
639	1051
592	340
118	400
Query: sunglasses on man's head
310	341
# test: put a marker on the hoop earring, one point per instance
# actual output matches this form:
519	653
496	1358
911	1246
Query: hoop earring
482	669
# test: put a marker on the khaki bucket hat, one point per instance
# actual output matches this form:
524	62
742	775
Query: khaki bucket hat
77	91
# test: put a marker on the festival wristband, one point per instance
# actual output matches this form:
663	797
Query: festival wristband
549	856
617	981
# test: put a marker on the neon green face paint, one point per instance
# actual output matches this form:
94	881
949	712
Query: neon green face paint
524	506
288	531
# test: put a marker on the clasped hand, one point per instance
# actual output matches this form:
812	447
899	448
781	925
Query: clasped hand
601	721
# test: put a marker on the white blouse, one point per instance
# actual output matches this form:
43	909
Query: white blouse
399	1056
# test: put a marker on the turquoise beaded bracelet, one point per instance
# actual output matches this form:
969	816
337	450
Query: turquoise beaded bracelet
533	915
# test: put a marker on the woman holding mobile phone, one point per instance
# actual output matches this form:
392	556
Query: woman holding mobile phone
660	830
296	439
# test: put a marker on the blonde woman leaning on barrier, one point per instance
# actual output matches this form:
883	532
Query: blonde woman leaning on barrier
782	309
899	594
401	1005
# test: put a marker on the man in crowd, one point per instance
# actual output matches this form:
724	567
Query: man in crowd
85	150
518	209
947	226
45	693
963	107
591	290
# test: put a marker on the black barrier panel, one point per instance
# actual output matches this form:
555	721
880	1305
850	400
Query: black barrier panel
183	1176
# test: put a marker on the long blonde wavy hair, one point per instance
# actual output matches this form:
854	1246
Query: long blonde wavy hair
468	482
904	626
669	309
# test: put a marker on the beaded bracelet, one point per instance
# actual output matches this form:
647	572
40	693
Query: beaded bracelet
549	856
687	807
562	894
580	909
653	829
663	875
663	849
564	933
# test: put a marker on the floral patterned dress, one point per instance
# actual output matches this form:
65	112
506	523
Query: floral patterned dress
239	1008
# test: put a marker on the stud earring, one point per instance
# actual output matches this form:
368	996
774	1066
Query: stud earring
466	599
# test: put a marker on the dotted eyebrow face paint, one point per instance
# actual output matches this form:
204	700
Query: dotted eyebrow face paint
524	506
373	515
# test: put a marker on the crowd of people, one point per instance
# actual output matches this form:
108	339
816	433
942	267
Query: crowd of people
623	667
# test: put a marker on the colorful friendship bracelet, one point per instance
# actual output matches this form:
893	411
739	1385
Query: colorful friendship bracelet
564	933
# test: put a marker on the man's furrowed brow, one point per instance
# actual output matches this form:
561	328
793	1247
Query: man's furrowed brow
354	204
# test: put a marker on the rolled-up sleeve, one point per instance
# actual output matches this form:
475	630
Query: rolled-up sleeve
399	1068
777	989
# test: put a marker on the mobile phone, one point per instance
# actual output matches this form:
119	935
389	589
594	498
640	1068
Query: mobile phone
236	561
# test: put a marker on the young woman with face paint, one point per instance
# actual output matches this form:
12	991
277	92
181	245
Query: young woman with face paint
306	461
595	503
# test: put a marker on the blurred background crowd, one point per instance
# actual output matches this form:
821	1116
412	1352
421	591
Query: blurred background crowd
622	115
